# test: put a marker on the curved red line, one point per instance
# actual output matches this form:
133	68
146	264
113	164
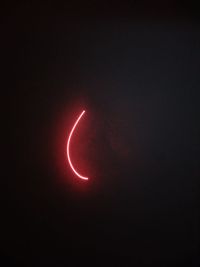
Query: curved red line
68	145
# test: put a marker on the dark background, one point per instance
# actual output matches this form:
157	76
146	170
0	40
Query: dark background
134	68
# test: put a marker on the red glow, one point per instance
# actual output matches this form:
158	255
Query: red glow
68	146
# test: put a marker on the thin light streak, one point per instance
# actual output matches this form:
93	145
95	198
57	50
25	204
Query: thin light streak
68	148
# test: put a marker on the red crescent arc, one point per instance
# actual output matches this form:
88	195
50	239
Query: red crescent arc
68	147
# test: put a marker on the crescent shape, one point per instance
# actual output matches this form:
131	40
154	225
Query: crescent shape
68	147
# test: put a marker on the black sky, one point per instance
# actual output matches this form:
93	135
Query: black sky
135	69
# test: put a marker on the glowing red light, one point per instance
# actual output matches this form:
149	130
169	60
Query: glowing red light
68	147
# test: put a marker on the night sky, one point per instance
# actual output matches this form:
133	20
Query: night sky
134	68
